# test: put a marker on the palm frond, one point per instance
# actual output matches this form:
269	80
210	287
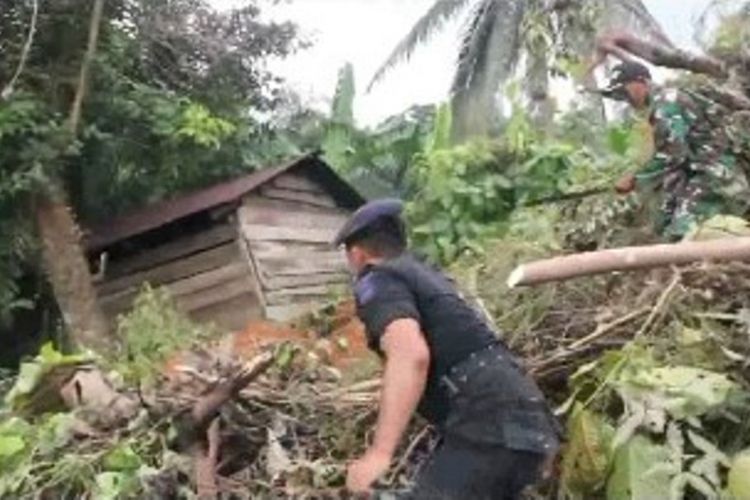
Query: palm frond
633	15
474	45
433	20
488	56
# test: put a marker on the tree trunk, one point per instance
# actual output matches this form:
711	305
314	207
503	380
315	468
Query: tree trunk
629	259
68	272
62	252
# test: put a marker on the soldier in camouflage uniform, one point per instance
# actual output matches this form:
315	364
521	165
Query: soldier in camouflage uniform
695	168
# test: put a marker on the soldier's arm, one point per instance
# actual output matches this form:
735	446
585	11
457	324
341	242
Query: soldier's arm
406	366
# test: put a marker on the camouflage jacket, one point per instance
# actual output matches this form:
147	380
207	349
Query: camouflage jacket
696	169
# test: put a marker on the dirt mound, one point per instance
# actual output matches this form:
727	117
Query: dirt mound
261	333
333	336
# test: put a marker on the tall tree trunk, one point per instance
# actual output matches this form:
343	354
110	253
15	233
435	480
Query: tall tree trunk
62	252
68	272
476	100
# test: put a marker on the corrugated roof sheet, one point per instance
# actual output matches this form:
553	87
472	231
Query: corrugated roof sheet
168	211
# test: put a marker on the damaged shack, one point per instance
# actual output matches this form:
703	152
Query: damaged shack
254	247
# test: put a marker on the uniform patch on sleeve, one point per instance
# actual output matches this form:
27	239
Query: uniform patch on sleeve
366	289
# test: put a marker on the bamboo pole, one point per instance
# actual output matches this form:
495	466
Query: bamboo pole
628	259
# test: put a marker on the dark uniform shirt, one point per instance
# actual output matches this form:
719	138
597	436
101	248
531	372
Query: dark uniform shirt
487	398
406	288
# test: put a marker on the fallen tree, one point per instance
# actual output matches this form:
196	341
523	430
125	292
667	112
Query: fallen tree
728	77
629	259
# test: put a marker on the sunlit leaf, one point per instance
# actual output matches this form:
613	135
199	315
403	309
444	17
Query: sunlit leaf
11	445
639	471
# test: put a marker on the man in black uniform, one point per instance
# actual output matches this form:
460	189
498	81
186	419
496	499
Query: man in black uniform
443	360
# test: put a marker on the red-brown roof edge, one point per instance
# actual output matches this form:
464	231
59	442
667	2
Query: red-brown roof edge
164	212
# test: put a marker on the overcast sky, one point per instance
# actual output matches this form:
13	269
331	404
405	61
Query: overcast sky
364	32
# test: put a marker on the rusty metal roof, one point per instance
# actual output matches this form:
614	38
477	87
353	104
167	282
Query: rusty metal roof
165	212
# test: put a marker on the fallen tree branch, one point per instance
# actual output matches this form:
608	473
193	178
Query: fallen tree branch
624	45
628	259
568	196
207	407
659	306
205	458
604	330
407	455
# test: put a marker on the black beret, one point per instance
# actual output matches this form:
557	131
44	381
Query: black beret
366	215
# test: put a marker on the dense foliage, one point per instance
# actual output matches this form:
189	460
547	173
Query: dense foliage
172	96
649	369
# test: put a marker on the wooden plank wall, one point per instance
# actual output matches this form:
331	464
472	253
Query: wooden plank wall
206	273
289	225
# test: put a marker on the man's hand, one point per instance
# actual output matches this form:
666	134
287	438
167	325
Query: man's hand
362	473
626	184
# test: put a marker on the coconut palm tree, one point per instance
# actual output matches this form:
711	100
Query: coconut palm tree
502	36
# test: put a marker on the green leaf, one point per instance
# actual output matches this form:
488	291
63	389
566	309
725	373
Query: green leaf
10	446
110	485
28	376
122	458
32	372
639	471
682	391
284	355
738	481
720	226
56	432
585	460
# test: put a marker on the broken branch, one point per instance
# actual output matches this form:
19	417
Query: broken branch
207	407
622	45
628	259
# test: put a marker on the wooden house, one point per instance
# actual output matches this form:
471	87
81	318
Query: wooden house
258	246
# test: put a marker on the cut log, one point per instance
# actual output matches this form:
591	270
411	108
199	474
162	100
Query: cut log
629	259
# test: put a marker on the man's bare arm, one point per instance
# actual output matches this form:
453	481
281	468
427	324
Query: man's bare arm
406	366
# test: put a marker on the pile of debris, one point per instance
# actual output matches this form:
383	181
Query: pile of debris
648	369
272	411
